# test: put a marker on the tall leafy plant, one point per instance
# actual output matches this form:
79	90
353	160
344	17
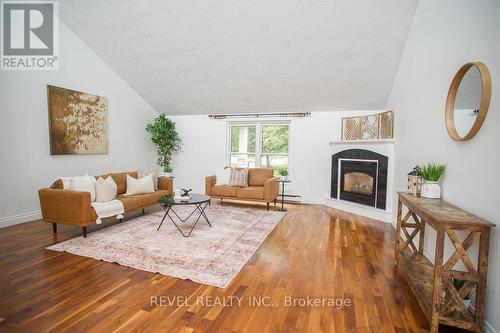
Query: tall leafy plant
167	140
432	172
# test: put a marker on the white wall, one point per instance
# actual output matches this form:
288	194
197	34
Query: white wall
444	36
26	163
205	149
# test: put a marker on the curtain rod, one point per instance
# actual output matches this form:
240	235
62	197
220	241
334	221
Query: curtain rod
259	115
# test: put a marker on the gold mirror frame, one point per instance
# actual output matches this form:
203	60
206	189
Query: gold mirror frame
483	107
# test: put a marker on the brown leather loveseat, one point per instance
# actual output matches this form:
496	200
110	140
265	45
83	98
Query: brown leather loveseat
74	208
262	187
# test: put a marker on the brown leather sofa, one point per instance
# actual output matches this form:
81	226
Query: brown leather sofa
262	187
73	207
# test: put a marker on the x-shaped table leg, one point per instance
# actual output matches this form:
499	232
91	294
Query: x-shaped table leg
199	207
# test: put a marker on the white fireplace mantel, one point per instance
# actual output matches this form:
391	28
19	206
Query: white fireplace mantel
377	141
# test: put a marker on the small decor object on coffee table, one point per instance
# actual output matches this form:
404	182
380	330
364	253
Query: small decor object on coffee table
415	181
185	192
283	182
431	174
200	202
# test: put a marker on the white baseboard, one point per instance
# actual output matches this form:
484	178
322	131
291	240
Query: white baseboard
373	213
308	201
20	218
488	328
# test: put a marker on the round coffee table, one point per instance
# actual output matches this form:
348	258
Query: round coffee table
199	201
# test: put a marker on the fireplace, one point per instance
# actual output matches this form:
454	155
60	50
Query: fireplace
358	181
360	176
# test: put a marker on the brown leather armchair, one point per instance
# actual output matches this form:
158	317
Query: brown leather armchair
262	187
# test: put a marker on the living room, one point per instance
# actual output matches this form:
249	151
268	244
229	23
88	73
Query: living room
243	215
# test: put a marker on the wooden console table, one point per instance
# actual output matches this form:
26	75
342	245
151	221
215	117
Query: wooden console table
432	284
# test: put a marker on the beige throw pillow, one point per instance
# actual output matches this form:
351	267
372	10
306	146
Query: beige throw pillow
154	174
239	178
140	186
105	189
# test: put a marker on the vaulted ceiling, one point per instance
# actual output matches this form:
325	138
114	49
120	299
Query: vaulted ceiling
198	57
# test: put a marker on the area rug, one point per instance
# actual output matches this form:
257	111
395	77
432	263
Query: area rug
211	255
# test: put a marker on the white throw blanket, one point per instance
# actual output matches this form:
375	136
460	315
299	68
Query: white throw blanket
108	209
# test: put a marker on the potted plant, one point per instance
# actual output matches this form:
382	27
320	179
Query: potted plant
168	171
458	285
431	174
283	172
167	141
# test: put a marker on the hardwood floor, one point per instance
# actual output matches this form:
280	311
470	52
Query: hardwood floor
315	252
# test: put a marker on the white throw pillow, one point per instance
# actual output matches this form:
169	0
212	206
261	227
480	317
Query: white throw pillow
83	183
66	182
105	189
140	186
222	176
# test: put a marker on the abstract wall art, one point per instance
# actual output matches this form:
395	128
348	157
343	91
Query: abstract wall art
369	127
351	128
386	125
78	122
372	127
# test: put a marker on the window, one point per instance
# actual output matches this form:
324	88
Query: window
242	152
259	145
274	146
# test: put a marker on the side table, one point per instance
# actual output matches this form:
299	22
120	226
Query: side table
283	182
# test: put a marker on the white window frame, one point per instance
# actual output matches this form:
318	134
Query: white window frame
258	123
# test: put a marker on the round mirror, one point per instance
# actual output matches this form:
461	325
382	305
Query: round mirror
468	101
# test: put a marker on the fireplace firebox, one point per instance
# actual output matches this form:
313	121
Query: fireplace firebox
358	181
360	176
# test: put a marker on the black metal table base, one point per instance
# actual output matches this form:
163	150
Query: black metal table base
282	209
199	207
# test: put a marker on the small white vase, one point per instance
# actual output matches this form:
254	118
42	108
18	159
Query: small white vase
283	178
431	190
168	174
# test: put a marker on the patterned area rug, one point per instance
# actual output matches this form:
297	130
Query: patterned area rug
211	256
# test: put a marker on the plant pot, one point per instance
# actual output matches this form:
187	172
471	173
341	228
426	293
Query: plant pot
283	178
168	174
431	190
